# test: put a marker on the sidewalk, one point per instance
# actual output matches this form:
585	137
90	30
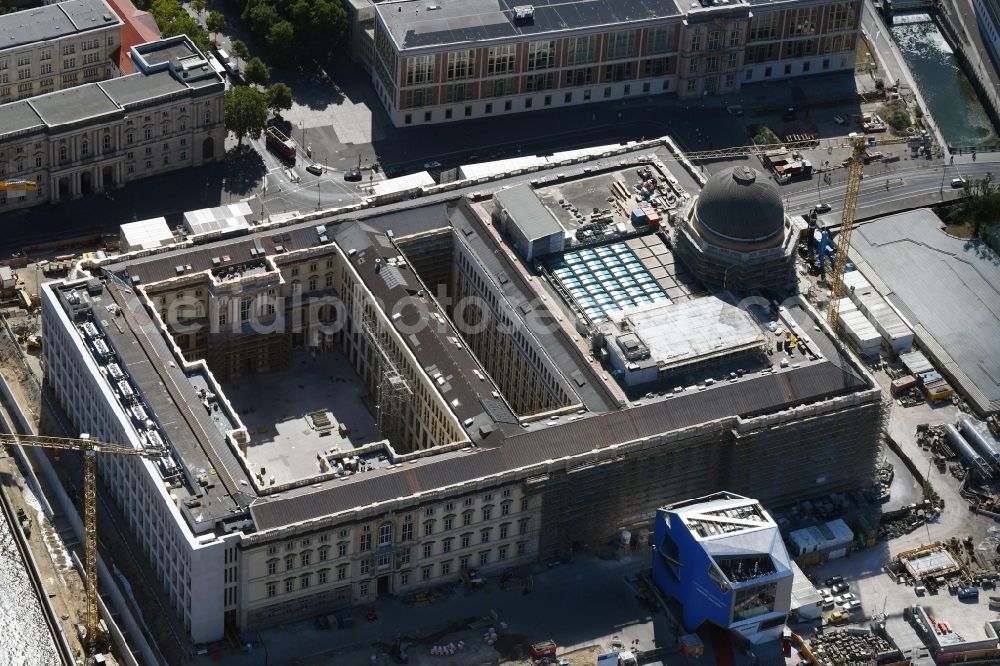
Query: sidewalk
577	605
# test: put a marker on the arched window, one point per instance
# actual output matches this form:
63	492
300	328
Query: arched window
148	133
106	142
84	148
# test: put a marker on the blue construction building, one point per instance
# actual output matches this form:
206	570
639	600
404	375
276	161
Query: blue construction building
722	559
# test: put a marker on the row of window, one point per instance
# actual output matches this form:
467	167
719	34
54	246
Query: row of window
508	105
386	529
305	581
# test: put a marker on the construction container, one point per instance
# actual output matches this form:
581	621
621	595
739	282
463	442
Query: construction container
652	217
896	333
858	330
902	385
639	217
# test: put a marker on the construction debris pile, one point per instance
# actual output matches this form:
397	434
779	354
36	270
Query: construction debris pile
932	438
850	646
956	564
903	521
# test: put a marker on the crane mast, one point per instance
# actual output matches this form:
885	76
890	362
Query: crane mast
90	448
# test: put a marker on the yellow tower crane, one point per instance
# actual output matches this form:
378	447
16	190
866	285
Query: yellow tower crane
855	171
18	185
90	448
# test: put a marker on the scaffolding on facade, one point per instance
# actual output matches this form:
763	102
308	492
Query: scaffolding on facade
393	391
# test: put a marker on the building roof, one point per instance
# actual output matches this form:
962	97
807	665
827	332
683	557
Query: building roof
145	234
689	331
721	514
73	105
949	290
750	396
741	205
96	100
51	22
19	117
527	212
127	91
221	219
733	530
416	24
833	534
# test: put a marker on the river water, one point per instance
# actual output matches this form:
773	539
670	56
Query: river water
24	637
951	98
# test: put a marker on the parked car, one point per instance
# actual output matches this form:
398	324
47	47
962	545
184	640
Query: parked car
968	593
833	580
352	176
433	164
844	598
840	588
823	208
315	169
839	119
851	606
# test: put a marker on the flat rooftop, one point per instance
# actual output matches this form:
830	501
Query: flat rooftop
682	333
168	393
294	416
72	105
52	22
502	444
416	24
948	290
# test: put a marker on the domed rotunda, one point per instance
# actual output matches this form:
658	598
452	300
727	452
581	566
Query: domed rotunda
736	235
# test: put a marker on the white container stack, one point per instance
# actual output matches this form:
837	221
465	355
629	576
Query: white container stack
890	326
859	331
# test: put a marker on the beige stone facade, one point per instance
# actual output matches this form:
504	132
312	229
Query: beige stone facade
101	136
56	47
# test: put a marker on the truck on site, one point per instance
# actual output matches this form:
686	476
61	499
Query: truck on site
618	658
280	144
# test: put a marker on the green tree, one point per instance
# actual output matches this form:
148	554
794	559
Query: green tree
245	112
239	50
320	27
216	23
281	42
256	72
199	6
279	97
260	16
172	20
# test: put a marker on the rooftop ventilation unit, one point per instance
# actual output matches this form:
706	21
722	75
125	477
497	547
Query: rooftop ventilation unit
524	13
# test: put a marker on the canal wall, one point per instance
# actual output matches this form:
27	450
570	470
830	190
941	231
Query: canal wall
30	460
20	539
950	27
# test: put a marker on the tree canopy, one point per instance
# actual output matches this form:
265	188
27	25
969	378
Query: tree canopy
172	20
979	207
297	30
279	97
216	22
256	72
239	50
245	111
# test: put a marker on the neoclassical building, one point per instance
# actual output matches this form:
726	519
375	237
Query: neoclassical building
99	136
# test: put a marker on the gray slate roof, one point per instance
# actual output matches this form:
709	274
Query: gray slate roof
527	212
54	21
745	398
